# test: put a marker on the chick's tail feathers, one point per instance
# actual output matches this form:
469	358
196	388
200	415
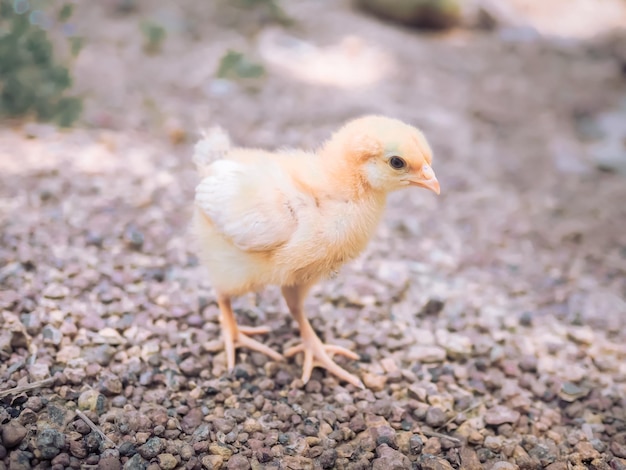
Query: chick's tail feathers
213	146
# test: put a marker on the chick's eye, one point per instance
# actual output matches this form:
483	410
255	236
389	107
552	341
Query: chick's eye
397	163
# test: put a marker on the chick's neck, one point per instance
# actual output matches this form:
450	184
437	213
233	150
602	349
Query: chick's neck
344	175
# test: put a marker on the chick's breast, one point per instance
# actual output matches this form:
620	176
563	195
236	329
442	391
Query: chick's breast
337	232
246	213
276	219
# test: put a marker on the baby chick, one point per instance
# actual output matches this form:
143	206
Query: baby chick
291	218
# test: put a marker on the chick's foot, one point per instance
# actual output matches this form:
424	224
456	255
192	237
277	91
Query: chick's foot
236	336
318	354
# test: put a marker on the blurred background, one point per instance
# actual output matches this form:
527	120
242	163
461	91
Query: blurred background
459	67
524	102
522	256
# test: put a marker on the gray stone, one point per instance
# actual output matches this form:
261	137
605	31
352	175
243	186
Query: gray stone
51	335
152	448
20	460
50	442
12	434
416	444
101	354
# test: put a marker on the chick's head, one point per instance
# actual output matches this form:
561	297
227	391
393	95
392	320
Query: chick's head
387	153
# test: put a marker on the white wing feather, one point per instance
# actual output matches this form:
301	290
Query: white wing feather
253	206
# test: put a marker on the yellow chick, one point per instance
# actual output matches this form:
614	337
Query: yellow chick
290	218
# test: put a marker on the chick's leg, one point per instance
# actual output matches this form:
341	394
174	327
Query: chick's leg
236	336
315	352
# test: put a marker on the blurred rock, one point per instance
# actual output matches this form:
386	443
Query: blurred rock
491	14
609	152
390	459
435	417
469	459
52	335
428	14
500	415
571	392
14	334
55	291
504	466
239	462
427	354
100	354
121	6
39	371
374	382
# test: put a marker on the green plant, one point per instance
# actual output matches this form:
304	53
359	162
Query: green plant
234	65
154	35
32	80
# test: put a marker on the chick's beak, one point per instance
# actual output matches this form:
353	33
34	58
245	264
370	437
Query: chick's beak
431	183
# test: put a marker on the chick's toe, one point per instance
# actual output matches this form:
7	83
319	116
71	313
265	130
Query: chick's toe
318	354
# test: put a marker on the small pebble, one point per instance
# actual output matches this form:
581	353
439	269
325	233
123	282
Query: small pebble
416	444
52	335
435	417
390	459
50	442
493	443
504	466
430	462
136	462
501	414
12	434
469	459
426	354
238	462
110	462
374	382
220	449
384	435
212	462
20	460
167	461
151	448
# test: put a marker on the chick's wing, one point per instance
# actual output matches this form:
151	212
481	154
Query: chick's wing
253	205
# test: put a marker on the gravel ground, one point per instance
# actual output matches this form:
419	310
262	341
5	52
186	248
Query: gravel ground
489	321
